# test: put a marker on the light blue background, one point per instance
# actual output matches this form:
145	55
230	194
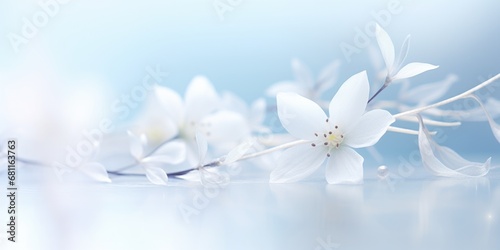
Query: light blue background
251	48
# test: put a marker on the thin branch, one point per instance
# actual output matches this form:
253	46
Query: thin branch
273	149
402	130
429	121
406	131
386	83
449	100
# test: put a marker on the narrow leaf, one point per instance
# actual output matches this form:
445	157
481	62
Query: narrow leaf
95	171
202	144
495	127
413	69
238	152
443	161
402	53
156	175
173	152
386	47
136	146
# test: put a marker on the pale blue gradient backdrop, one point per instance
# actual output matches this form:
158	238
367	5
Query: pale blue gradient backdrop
113	41
91	52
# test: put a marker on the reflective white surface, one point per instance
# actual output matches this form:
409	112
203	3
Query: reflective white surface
249	213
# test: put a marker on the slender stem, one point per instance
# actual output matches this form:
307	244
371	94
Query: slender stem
28	161
173	174
127	167
386	83
118	173
218	162
430	121
215	163
273	149
402	130
150	153
406	131
452	99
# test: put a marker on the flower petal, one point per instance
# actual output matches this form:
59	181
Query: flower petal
300	116
171	102
193	176
173	152
427	93
349	103
386	47
495	127
443	161
157	118
232	102
402	53
413	69
156	175
224	126
136	146
201	99
370	128
96	171
238	152
345	166
302	73
202	146
297	163
193	158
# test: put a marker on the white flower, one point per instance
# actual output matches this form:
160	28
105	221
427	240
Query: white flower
333	137
208	172
304	83
174	117
254	114
394	69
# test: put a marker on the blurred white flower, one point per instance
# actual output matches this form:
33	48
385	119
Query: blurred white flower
425	94
304	84
443	161
173	118
395	71
330	137
202	173
255	114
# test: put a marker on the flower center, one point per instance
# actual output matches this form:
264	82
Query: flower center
332	138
